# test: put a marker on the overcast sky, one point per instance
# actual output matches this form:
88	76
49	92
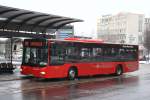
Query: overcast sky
87	10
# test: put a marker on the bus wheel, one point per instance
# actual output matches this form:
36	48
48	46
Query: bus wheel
119	70
72	74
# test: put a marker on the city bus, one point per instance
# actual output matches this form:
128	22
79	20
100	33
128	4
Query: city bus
71	58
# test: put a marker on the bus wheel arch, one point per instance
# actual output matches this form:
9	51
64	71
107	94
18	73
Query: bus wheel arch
72	73
119	70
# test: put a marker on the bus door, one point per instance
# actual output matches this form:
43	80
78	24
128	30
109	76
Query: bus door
109	59
57	56
85	63
97	60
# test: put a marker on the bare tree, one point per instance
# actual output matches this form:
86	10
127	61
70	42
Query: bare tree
147	41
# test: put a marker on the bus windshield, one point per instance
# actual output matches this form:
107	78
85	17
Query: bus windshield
35	56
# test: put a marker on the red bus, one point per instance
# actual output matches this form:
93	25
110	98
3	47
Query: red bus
76	57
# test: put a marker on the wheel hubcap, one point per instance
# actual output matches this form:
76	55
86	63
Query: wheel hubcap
119	71
72	74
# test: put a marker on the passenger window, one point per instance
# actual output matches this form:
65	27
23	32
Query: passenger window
97	54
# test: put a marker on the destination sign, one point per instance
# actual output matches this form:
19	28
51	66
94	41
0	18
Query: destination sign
128	46
34	43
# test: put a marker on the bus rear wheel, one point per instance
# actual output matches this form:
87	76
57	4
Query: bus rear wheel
72	74
119	70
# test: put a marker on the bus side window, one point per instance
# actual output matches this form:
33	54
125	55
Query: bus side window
113	54
133	54
97	54
107	54
72	54
121	54
86	54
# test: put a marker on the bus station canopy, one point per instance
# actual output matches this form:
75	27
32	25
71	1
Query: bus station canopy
19	20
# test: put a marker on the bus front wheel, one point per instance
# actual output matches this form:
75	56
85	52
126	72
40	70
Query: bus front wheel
72	74
119	70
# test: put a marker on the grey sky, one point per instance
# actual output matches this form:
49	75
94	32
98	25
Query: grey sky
87	10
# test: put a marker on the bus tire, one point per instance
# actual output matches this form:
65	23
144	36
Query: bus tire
119	70
72	73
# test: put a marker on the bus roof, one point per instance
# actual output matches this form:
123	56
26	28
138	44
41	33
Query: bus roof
84	40
98	41
80	40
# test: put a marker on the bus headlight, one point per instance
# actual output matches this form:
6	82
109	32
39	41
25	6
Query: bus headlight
43	73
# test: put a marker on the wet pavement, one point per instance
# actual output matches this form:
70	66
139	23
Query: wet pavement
130	86
11	76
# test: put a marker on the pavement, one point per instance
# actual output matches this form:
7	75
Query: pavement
11	76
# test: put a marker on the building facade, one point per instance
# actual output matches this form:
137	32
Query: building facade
147	24
125	28
146	32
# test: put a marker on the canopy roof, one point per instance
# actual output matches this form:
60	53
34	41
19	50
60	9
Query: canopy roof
24	20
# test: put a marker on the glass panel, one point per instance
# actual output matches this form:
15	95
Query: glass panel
86	54
35	56
62	52
97	54
57	54
72	53
120	54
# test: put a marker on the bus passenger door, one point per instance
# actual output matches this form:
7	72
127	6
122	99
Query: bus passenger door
85	59
97	60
